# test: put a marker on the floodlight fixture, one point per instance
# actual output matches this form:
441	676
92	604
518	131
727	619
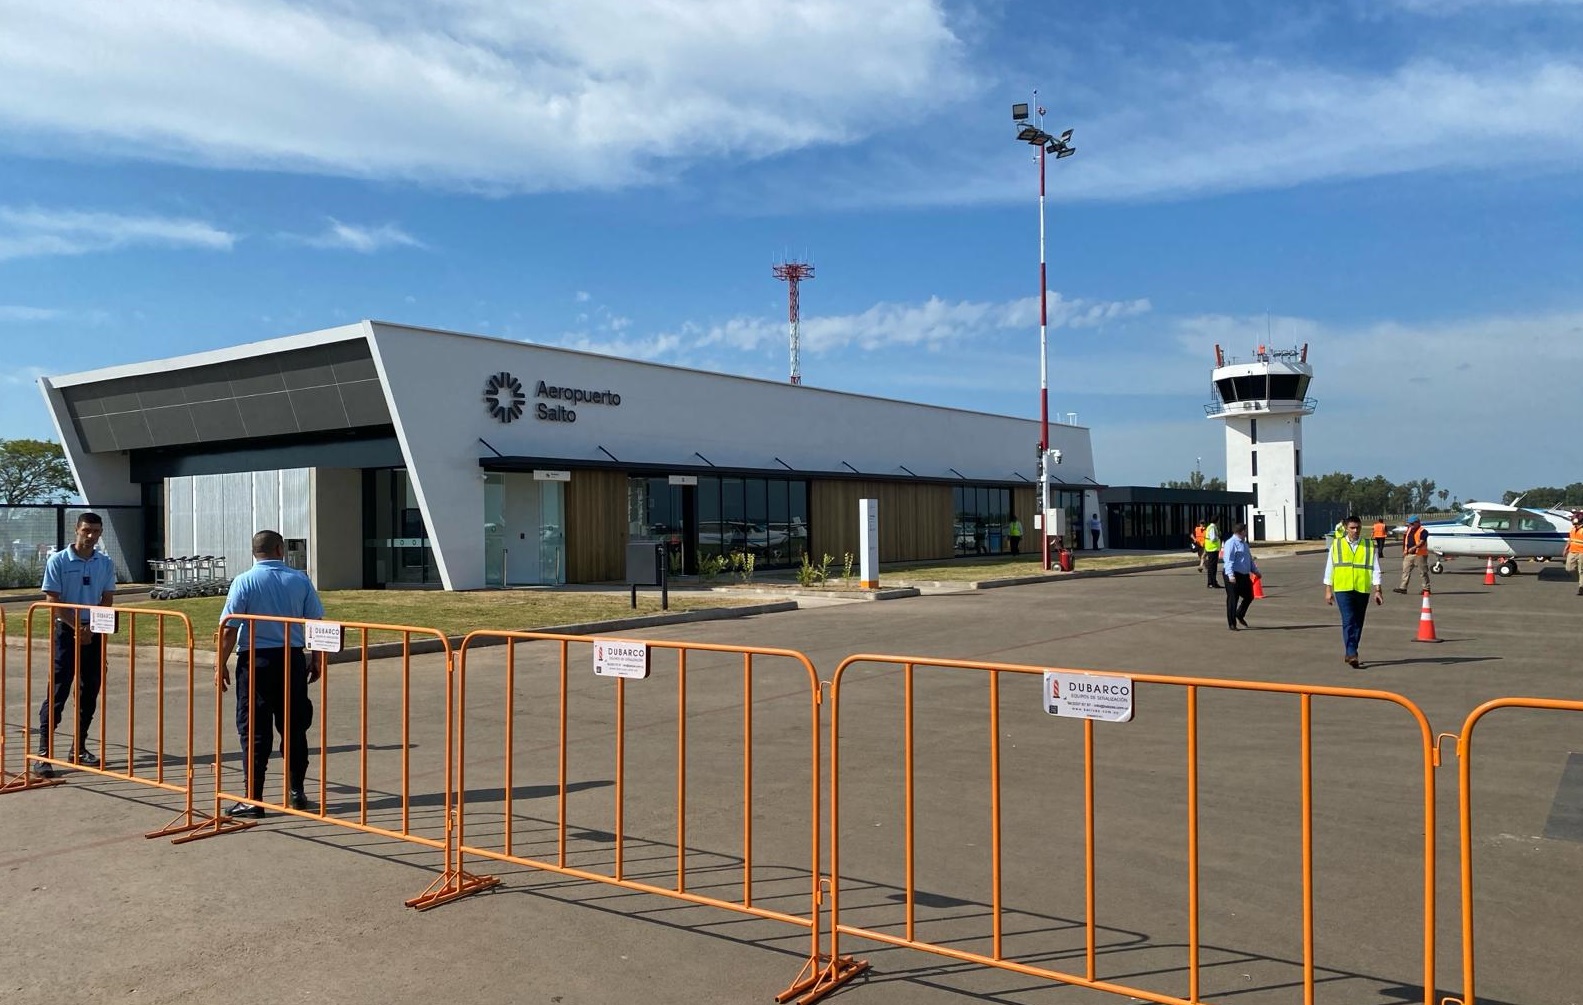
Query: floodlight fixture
1065	152
1019	112
1030	134
1065	137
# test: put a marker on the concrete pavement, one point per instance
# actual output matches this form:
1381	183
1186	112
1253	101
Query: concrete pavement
303	910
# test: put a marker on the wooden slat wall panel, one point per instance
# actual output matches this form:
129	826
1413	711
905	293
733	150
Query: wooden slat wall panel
915	520
1025	503
596	526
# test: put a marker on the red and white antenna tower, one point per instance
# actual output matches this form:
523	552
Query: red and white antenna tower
793	273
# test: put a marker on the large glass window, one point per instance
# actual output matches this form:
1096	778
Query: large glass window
764	517
396	550
981	515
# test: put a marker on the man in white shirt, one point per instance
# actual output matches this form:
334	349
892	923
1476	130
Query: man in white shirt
1352	572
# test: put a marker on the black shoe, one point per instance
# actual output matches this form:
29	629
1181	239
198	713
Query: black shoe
299	801
1398	589
1580	591
1243	622
242	811
86	759
1232	627
44	769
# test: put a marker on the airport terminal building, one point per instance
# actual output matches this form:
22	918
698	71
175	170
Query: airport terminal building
395	456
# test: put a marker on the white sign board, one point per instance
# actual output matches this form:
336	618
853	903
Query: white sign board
552	476
621	658
868	543
322	636
1106	697
684	479
101	620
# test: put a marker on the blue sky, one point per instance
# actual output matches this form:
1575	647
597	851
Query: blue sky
1394	182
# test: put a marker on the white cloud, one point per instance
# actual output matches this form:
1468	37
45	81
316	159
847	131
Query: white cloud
366	240
530	95
1194	120
1457	6
932	323
582	296
32	232
16	312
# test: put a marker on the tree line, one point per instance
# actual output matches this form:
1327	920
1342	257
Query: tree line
1546	496
33	471
1377	495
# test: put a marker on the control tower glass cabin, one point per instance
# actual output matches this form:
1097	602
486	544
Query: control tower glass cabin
1262	399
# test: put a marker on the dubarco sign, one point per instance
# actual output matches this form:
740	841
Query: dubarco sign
505	398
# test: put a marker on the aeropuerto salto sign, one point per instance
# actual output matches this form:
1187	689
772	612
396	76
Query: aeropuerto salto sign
1107	697
575	395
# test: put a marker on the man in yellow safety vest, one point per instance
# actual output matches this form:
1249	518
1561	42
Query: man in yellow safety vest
1352	572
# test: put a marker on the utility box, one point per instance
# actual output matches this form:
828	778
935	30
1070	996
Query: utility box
1055	523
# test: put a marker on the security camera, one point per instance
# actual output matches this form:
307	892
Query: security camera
483	477
1054	456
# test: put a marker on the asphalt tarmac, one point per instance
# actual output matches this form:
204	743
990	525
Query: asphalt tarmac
305	910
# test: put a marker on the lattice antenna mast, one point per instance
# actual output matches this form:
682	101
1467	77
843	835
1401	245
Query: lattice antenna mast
792	274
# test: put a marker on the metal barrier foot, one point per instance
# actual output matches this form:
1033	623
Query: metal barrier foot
181	823
454	884
11	781
820	976
212	827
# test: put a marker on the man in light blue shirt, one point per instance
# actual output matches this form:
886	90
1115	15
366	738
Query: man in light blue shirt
269	659
79	574
1236	560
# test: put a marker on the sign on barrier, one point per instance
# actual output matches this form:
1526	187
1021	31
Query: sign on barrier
1105	697
621	658
323	636
102	620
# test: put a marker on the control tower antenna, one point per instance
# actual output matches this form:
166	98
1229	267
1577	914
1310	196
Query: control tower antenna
792	274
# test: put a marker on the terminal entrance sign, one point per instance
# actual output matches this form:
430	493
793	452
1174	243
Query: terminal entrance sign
1106	697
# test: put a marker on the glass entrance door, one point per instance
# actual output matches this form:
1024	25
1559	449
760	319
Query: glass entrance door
524	531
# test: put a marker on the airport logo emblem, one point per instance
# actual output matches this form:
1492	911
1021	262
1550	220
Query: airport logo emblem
504	396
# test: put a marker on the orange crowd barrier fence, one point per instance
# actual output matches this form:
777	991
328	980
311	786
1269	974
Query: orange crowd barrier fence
1465	764
279	678
1090	976
99	650
623	660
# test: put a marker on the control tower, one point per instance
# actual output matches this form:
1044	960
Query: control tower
1262	399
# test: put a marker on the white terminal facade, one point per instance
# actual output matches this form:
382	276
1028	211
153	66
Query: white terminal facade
1262	399
396	456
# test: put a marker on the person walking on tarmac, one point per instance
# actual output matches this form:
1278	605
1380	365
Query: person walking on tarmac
1415	554
1014	531
1575	548
266	664
1381	534
1240	568
1198	544
1352	572
1212	553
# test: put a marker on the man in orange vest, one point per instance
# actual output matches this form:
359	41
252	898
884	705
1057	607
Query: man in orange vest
1381	532
1575	548
1198	544
1415	554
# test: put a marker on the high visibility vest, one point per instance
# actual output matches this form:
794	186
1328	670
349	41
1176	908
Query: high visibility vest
1015	528
1381	532
1575	541
1416	542
1211	540
1198	535
1352	565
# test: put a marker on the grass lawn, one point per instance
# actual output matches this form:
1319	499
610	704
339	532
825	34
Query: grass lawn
450	613
1007	567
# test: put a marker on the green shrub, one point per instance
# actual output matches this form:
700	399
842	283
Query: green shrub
18	573
846	568
710	566
744	562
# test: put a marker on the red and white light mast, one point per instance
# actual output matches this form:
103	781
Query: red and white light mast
1061	147
793	273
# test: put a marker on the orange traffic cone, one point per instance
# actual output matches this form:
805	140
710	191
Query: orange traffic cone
1489	572
1258	586
1426	622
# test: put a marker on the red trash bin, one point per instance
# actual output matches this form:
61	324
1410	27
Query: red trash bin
1064	558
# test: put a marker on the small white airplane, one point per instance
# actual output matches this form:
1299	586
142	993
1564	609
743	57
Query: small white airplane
1500	531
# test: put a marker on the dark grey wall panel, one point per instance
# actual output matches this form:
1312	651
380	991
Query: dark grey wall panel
370	451
323	388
